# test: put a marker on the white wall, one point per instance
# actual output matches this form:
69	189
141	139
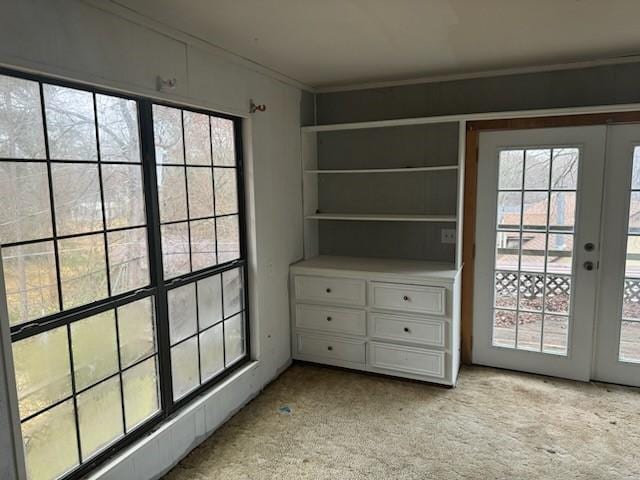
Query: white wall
100	43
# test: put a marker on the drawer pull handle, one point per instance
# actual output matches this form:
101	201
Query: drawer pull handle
405	298
329	319
328	290
329	348
406	329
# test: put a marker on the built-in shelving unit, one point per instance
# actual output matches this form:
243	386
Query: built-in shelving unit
384	189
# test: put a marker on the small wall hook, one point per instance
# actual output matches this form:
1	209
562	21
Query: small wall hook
165	84
253	107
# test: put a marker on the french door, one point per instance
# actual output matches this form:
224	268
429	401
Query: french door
557	269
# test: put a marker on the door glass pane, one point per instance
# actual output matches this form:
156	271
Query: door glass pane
76	192
83	271
30	281
183	320
95	348
43	372
21	131
630	342
50	442
100	416
167	129
118	129
71	123
141	399
24	196
534	248
128	260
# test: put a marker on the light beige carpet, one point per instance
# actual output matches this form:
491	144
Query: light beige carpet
494	425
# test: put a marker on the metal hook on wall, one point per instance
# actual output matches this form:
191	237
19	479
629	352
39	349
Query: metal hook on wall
253	107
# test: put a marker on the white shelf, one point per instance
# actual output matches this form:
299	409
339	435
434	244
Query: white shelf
381	217
388	170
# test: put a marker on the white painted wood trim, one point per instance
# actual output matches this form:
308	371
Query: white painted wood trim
382	217
550	112
388	170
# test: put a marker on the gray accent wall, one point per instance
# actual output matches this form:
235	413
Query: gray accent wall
602	85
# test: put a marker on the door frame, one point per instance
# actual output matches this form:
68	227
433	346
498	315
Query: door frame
473	130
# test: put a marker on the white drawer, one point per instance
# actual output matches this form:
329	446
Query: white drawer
331	319
419	361
347	291
409	298
331	347
396	327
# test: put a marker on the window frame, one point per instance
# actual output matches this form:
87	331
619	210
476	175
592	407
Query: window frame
157	288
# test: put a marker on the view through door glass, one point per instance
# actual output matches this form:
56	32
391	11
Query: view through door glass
534	248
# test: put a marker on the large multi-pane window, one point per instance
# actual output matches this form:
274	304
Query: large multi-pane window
123	260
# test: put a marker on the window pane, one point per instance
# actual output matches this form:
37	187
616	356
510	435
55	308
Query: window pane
564	173
184	367
209	301
234	338
555	334
175	249
50	443
70	123
222	141
226	191
233	289
562	211
24	197
43	374
630	342
534	207
76	189
140	384
118	129
95	348
504	328
200	192
211	352
172	194
21	131
183	320
82	270
100	416
123	195
529	331
128	260
536	173
136	326
30	281
196	137
509	210
167	130
203	244
510	170
228	236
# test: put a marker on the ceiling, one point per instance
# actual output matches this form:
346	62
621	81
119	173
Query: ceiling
325	43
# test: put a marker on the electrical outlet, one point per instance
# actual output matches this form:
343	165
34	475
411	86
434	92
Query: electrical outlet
448	235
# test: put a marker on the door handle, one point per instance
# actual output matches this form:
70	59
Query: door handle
588	265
